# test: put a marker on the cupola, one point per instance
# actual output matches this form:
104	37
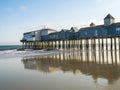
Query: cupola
108	20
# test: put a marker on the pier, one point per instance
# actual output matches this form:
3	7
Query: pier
101	37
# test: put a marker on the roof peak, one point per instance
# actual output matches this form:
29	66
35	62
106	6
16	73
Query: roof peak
109	16
92	24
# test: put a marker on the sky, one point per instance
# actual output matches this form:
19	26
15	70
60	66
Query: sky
20	16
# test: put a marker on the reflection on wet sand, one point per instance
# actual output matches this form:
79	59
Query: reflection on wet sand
98	64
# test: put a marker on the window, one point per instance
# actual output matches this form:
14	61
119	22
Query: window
118	30
86	33
96	32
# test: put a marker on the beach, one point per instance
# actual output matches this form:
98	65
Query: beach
58	70
59	45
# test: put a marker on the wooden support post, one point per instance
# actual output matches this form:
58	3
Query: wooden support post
48	45
87	51
84	44
72	44
94	44
99	44
87	44
26	45
80	44
103	50
115	50
95	50
43	44
111	44
22	45
119	47
52	47
107	49
62	42
115	43
55	44
69	44
30	45
103	44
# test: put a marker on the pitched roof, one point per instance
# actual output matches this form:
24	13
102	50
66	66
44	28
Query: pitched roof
92	24
74	29
91	28
109	16
65	30
47	29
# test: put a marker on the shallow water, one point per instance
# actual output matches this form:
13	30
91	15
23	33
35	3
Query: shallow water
63	71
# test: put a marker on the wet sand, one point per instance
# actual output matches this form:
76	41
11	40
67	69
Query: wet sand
91	70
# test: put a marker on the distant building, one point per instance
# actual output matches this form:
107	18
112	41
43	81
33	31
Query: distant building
36	35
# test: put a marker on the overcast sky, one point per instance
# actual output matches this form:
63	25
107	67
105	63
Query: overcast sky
19	16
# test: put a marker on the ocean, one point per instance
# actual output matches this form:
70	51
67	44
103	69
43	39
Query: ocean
9	47
10	51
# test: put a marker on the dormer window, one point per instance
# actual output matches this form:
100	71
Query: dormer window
108	20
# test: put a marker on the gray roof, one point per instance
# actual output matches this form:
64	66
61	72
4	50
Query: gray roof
64	30
92	24
47	29
99	26
91	28
109	16
74	29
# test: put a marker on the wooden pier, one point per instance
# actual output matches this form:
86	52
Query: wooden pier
86	44
101	37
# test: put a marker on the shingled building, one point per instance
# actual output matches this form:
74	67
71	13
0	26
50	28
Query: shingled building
73	37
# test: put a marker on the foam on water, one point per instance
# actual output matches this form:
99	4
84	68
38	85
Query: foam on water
15	53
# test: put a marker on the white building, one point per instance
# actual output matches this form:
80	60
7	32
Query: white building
29	36
36	35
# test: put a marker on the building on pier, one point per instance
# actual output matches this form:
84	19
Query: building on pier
36	35
64	34
109	29
31	39
51	39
